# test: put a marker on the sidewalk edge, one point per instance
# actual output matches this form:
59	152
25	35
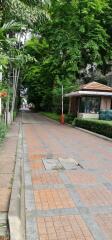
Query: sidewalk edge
15	219
93	133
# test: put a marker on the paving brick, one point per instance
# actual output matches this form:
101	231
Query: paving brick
108	176
53	199
64	227
4	199
46	139
46	178
105	222
7	162
81	177
97	164
33	157
6	180
4	238
96	196
37	165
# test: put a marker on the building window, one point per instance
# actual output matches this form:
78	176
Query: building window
89	104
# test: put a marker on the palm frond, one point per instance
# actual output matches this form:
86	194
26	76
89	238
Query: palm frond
36	2
19	11
13	26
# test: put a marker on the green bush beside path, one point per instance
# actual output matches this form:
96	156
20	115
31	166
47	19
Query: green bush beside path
3	130
53	116
98	126
67	117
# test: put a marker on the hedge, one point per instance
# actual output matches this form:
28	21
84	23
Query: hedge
3	130
97	126
51	115
68	118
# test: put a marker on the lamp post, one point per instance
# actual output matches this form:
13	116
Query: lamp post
62	115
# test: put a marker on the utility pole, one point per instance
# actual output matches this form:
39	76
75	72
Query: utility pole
62	115
62	99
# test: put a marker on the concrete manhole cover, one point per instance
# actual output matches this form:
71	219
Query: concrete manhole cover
52	164
60	164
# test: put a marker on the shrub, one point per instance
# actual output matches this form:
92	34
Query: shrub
3	130
51	115
105	115
74	122
98	126
14	114
69	118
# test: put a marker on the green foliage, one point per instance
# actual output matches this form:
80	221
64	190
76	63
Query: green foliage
69	118
78	33
74	122
105	115
4	59
3	87
52	115
67	36
98	126
3	130
35	2
14	114
24	11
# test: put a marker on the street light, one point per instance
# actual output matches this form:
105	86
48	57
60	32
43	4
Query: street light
62	115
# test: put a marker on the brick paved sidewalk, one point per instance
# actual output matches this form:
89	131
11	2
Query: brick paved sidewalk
64	204
7	163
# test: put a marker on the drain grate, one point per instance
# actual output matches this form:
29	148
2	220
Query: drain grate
61	164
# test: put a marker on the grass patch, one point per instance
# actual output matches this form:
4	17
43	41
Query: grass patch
53	116
68	118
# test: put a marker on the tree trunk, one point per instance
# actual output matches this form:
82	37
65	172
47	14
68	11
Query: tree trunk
16	73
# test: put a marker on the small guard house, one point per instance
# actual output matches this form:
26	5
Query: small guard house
89	100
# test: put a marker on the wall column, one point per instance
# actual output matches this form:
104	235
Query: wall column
69	109
105	103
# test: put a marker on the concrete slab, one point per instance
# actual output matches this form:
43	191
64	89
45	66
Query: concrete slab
4	199
68	163
6	180
52	164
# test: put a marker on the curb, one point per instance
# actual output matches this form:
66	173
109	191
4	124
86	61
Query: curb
95	134
16	216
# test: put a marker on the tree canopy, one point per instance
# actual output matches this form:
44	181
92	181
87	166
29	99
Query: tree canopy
67	37
78	33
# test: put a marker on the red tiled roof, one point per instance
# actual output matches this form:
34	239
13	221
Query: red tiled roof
96	87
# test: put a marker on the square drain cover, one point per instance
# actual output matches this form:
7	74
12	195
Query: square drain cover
68	163
52	164
60	164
